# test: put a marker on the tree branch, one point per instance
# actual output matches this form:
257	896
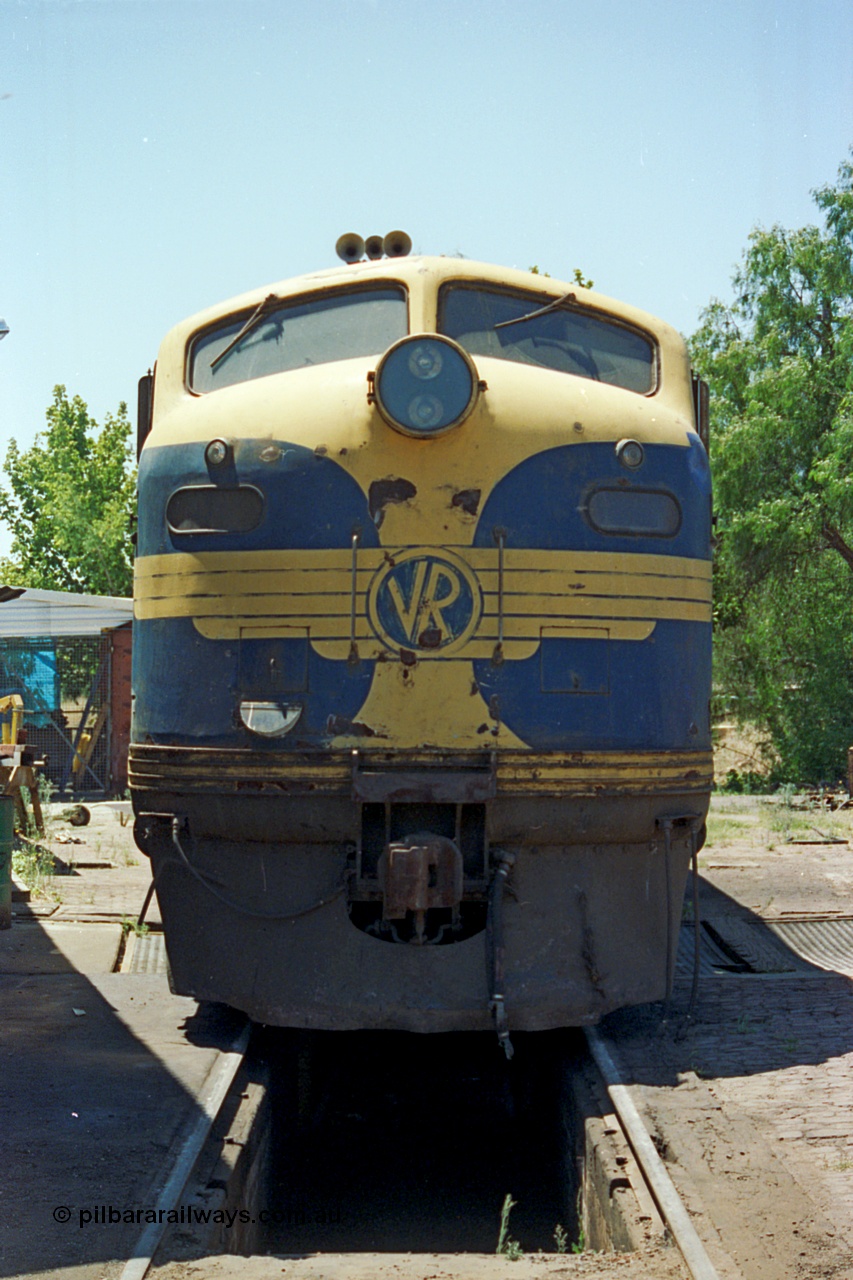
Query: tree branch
833	539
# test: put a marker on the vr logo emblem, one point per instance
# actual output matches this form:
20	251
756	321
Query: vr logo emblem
427	600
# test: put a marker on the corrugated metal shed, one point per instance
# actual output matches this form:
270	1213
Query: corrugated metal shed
30	612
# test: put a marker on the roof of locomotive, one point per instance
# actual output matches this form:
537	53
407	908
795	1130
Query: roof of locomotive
429	273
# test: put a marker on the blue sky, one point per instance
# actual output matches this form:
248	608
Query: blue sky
158	157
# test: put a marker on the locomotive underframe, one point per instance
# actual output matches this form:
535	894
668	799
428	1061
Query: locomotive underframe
273	899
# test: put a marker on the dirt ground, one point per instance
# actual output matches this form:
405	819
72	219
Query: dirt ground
650	1264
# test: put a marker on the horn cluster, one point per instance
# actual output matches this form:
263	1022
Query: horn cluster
351	248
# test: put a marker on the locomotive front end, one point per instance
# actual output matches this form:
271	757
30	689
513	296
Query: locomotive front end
422	650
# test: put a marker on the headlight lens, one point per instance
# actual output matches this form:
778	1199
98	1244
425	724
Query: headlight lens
425	385
269	719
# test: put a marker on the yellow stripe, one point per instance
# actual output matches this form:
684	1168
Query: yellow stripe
516	771
232	593
370	558
336	583
330	619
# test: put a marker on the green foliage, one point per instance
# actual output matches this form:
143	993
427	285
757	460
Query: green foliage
747	783
507	1247
584	281
131	925
69	503
577	275
34	865
779	361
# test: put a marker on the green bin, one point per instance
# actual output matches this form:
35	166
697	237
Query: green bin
7	833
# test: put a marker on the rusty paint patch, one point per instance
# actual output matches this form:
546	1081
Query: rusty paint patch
339	726
468	500
430	638
381	493
408	658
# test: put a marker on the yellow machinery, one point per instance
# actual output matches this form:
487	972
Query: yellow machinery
14	772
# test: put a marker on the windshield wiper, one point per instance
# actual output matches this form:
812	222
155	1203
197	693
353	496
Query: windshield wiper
253	321
531	315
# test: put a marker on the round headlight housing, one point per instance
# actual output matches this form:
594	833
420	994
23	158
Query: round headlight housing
425	385
218	452
630	453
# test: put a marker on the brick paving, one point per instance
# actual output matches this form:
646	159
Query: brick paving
752	1100
779	1050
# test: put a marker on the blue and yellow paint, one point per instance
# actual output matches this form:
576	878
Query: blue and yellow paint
577	645
448	594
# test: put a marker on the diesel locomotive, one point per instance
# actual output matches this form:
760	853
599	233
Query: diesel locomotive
422	647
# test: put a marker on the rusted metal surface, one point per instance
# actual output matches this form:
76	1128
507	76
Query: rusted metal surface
428	787
419	873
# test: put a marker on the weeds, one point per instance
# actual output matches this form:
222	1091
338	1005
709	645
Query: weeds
786	794
131	926
724	827
561	1238
507	1247
34	865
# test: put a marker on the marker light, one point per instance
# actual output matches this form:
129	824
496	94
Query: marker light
425	385
217	453
630	453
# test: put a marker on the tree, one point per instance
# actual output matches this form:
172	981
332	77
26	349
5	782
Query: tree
70	501
779	361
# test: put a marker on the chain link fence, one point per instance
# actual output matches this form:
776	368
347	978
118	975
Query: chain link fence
65	685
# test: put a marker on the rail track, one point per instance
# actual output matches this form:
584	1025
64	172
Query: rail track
209	1103
221	1079
651	1166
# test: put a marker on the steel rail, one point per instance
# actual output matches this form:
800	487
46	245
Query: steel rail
219	1080
652	1167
